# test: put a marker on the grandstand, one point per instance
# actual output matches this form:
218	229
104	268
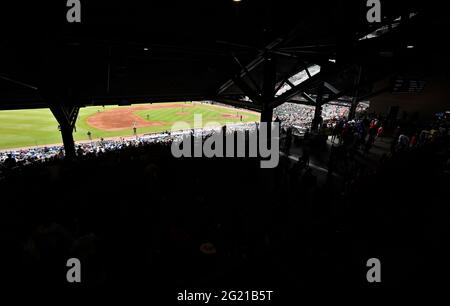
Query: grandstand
360	112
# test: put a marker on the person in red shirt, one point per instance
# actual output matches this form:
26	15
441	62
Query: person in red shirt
413	141
380	132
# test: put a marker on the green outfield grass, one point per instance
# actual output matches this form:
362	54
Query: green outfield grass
26	128
210	114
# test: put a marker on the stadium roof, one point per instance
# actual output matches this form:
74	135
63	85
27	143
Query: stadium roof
132	51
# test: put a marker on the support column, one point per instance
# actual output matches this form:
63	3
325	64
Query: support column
66	117
318	109
352	112
266	114
69	144
268	90
268	184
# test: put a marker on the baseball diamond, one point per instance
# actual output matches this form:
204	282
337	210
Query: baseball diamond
37	127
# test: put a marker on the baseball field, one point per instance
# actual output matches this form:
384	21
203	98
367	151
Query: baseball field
37	127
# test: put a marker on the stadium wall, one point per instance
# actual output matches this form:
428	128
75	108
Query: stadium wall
435	98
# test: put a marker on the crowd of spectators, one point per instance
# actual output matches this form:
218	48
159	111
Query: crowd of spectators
402	196
289	114
19	157
135	215
292	114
